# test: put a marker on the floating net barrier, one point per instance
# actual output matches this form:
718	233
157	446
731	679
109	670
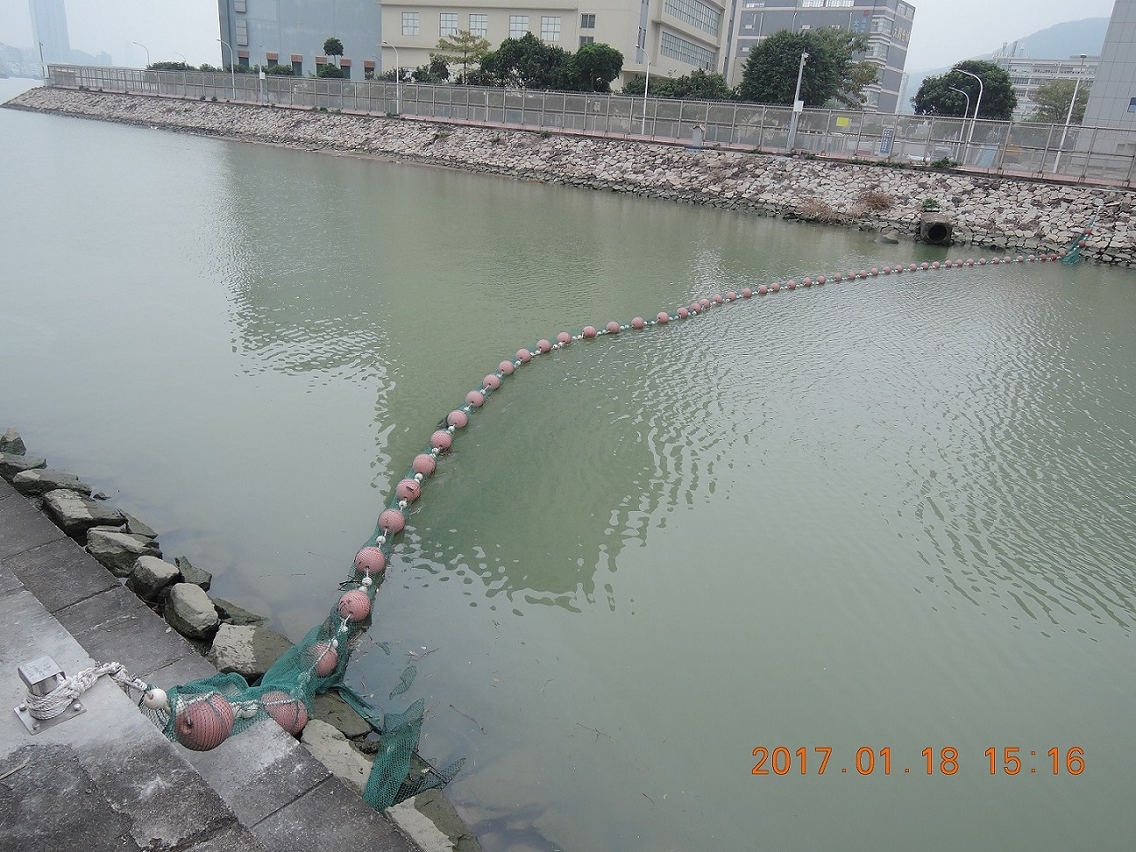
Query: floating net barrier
203	714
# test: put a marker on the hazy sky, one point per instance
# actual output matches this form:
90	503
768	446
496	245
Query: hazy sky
945	30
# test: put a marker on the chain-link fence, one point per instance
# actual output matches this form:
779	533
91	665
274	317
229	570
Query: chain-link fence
1089	154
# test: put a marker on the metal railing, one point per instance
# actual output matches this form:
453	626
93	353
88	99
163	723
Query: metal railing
1096	155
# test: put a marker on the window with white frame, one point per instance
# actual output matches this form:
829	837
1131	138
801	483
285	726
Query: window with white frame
447	24
242	33
550	28
812	4
479	25
410	23
839	4
518	25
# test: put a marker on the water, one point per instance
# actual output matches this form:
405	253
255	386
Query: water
887	515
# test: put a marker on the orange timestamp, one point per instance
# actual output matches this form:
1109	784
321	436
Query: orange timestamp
944	760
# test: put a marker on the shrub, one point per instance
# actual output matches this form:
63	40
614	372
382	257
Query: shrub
930	205
877	201
815	210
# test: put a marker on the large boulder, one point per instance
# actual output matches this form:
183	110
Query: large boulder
36	483
247	650
11	442
233	614
331	748
150	575
190	612
118	551
329	707
193	574
75	514
11	464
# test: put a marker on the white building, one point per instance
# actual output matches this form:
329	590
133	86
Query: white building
1112	102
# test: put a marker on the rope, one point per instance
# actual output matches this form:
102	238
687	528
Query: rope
49	706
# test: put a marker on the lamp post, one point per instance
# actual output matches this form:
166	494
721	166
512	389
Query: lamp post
184	61
141	45
646	84
1069	115
232	61
977	106
397	79
42	66
797	105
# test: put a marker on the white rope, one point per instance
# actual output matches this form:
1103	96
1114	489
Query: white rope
49	706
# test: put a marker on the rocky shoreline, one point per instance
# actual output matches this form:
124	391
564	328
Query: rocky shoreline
1004	214
231	638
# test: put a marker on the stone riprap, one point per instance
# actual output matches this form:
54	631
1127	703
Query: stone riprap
1003	213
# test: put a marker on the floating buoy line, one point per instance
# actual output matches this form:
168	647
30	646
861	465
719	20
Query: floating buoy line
203	714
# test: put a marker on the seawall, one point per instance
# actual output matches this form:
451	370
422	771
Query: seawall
1004	214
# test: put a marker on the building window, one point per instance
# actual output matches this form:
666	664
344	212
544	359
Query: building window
518	25
587	22
812	4
882	25
753	4
239	6
699	14
685	51
839	4
410	23
587	40
479	25
242	33
447	24
550	28
1132	105
297	68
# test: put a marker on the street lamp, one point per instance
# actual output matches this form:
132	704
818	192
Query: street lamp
42	67
184	61
977	106
232	61
1069	115
141	45
797	105
397	79
646	84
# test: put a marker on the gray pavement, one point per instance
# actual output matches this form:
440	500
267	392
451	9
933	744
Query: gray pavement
107	779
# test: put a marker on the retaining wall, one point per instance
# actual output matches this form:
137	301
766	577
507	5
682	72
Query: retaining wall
1008	214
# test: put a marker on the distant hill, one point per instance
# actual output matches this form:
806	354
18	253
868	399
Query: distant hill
1071	38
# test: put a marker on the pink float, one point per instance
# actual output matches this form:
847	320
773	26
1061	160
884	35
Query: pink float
524	356
288	712
354	606
457	418
762	290
370	560
790	284
683	313
663	318
204	723
774	287
874	272
717	300
391	520
589	332
821	279
564	338
424	464
638	323
506	367
705	303
747	292
807	282
408	490
612	327
492	382
543	345
731	296
441	440
475	398
322	658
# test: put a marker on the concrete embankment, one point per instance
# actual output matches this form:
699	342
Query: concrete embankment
1002	213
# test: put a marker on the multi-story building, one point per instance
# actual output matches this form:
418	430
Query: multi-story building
886	23
1112	102
293	32
49	29
1028	75
674	36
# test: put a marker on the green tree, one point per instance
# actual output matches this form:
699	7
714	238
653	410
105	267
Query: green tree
594	66
436	72
169	66
333	47
329	70
832	71
463	50
527	62
698	85
277	70
1053	100
998	99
